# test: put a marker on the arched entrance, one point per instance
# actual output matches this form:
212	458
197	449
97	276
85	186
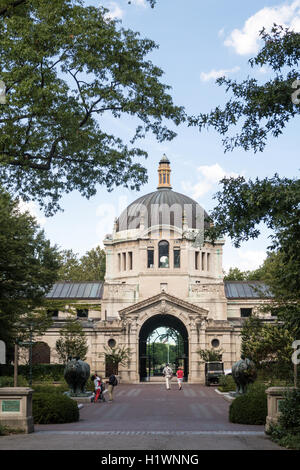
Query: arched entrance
146	354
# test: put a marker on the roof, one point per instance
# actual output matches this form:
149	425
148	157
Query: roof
246	290
76	290
162	207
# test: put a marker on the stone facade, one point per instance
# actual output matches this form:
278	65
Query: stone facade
156	271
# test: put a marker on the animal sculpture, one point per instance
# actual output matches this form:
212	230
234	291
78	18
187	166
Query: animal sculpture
76	374
243	373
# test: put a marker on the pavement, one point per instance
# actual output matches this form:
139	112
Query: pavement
148	417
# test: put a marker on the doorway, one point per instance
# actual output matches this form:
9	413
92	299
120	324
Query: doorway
163	339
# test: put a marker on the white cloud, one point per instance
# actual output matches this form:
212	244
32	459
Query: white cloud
246	41
214	74
33	210
210	175
115	11
241	258
251	259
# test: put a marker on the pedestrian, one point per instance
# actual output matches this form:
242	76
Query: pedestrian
112	382
179	375
168	373
97	385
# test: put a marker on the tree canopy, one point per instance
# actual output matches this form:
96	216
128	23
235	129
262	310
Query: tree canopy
28	269
66	67
72	341
90	267
259	111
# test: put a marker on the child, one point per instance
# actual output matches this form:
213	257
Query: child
179	374
97	384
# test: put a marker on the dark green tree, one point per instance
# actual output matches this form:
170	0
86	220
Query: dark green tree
28	269
66	66
90	267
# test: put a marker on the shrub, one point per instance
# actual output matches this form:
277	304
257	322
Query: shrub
226	383
50	388
290	410
40	372
250	408
53	408
9	381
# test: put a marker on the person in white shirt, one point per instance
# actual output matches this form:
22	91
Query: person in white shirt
168	373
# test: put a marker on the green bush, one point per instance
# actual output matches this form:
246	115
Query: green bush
6	381
40	372
46	388
250	408
290	410
54	408
226	383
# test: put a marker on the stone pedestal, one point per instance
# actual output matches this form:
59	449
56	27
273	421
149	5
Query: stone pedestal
16	408
275	395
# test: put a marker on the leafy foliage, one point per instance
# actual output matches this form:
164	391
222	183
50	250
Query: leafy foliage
264	343
289	417
287	431
210	355
28	269
53	408
260	110
66	67
72	341
241	207
117	355
226	383
250	408
90	267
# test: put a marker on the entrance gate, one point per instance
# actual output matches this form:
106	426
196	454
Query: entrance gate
148	365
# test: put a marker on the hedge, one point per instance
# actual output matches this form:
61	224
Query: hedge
40	372
6	381
53	408
250	408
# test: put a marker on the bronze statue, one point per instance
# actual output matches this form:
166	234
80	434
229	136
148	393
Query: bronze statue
76	374
243	373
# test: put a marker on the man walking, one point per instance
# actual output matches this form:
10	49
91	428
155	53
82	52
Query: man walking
168	373
112	382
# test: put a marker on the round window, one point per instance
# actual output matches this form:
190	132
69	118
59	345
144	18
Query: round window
215	343
111	343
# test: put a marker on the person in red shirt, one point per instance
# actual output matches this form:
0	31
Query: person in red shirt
179	375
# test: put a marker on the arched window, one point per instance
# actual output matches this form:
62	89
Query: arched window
163	254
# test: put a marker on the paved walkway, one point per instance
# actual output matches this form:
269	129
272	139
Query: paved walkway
147	416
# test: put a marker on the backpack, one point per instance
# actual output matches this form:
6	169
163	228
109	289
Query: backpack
115	382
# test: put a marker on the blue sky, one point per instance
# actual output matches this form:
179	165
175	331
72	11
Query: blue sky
198	41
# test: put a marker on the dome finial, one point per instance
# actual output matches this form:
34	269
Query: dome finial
164	171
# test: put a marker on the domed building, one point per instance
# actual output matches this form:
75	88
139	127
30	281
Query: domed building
160	273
